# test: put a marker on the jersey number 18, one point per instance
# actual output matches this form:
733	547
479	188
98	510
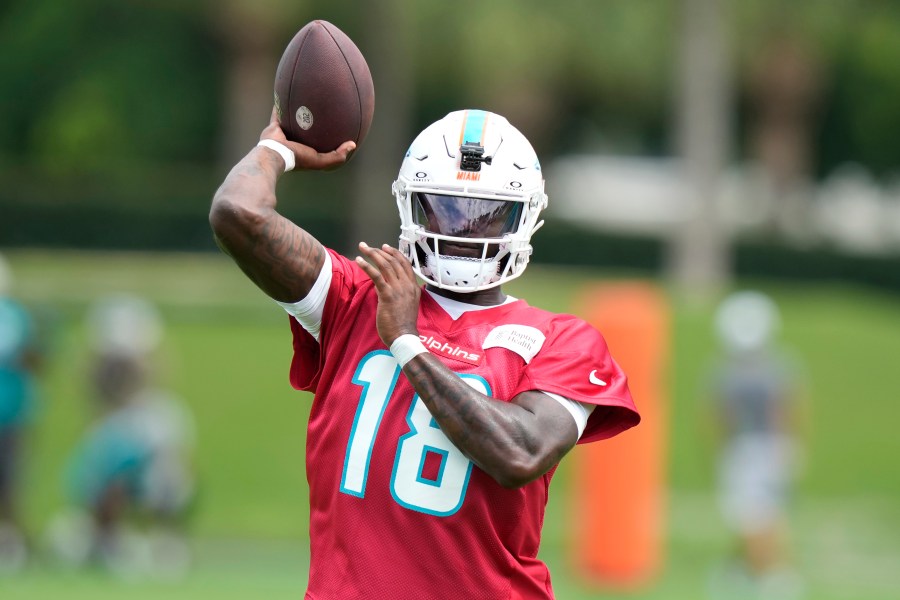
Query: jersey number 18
439	493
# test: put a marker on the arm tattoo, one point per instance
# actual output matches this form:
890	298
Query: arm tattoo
277	255
489	432
287	254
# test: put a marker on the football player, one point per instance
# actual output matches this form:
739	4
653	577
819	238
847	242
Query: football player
440	411
758	391
20	359
129	477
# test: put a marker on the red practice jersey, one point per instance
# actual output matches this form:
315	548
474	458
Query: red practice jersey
396	511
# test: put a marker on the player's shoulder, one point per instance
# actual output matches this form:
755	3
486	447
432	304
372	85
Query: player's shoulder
557	332
551	322
347	272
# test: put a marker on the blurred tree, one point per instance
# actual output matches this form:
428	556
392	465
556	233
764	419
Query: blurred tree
784	84
389	56
783	87
574	75
137	104
699	253
862	114
89	86
254	35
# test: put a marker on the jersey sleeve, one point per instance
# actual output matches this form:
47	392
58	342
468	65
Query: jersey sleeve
307	362
575	363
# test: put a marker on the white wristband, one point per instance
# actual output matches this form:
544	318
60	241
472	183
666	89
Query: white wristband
406	347
286	153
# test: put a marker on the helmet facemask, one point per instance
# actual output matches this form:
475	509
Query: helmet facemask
466	224
464	243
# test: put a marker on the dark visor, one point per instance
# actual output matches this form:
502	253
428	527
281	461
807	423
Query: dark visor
459	216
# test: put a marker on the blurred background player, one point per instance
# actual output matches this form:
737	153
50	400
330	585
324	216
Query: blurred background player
20	358
130	474
758	395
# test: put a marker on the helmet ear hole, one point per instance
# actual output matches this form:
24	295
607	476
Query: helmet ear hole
406	250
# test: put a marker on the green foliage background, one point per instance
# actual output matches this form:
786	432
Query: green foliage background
130	91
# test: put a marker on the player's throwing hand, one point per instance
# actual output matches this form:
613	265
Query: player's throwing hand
307	158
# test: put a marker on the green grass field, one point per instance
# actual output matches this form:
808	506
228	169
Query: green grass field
228	349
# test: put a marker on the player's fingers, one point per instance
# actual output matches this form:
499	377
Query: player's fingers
346	149
310	158
370	270
401	267
378	260
390	266
340	155
396	255
273	129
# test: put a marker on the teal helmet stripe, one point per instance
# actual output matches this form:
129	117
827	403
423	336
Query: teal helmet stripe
474	126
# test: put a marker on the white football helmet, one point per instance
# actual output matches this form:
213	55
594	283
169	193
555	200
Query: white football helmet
470	190
124	324
747	321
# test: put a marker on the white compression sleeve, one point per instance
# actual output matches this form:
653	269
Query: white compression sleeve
580	411
308	312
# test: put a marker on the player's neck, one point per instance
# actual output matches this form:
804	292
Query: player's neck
489	297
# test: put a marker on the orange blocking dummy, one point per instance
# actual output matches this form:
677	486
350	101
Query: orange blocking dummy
619	494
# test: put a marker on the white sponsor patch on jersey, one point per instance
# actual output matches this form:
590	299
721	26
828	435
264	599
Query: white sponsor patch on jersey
524	340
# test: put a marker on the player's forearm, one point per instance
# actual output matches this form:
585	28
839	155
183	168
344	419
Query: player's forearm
278	256
497	436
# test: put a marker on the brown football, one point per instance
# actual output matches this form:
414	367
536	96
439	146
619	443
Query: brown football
324	92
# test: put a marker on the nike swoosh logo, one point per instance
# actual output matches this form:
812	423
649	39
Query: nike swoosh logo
594	379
